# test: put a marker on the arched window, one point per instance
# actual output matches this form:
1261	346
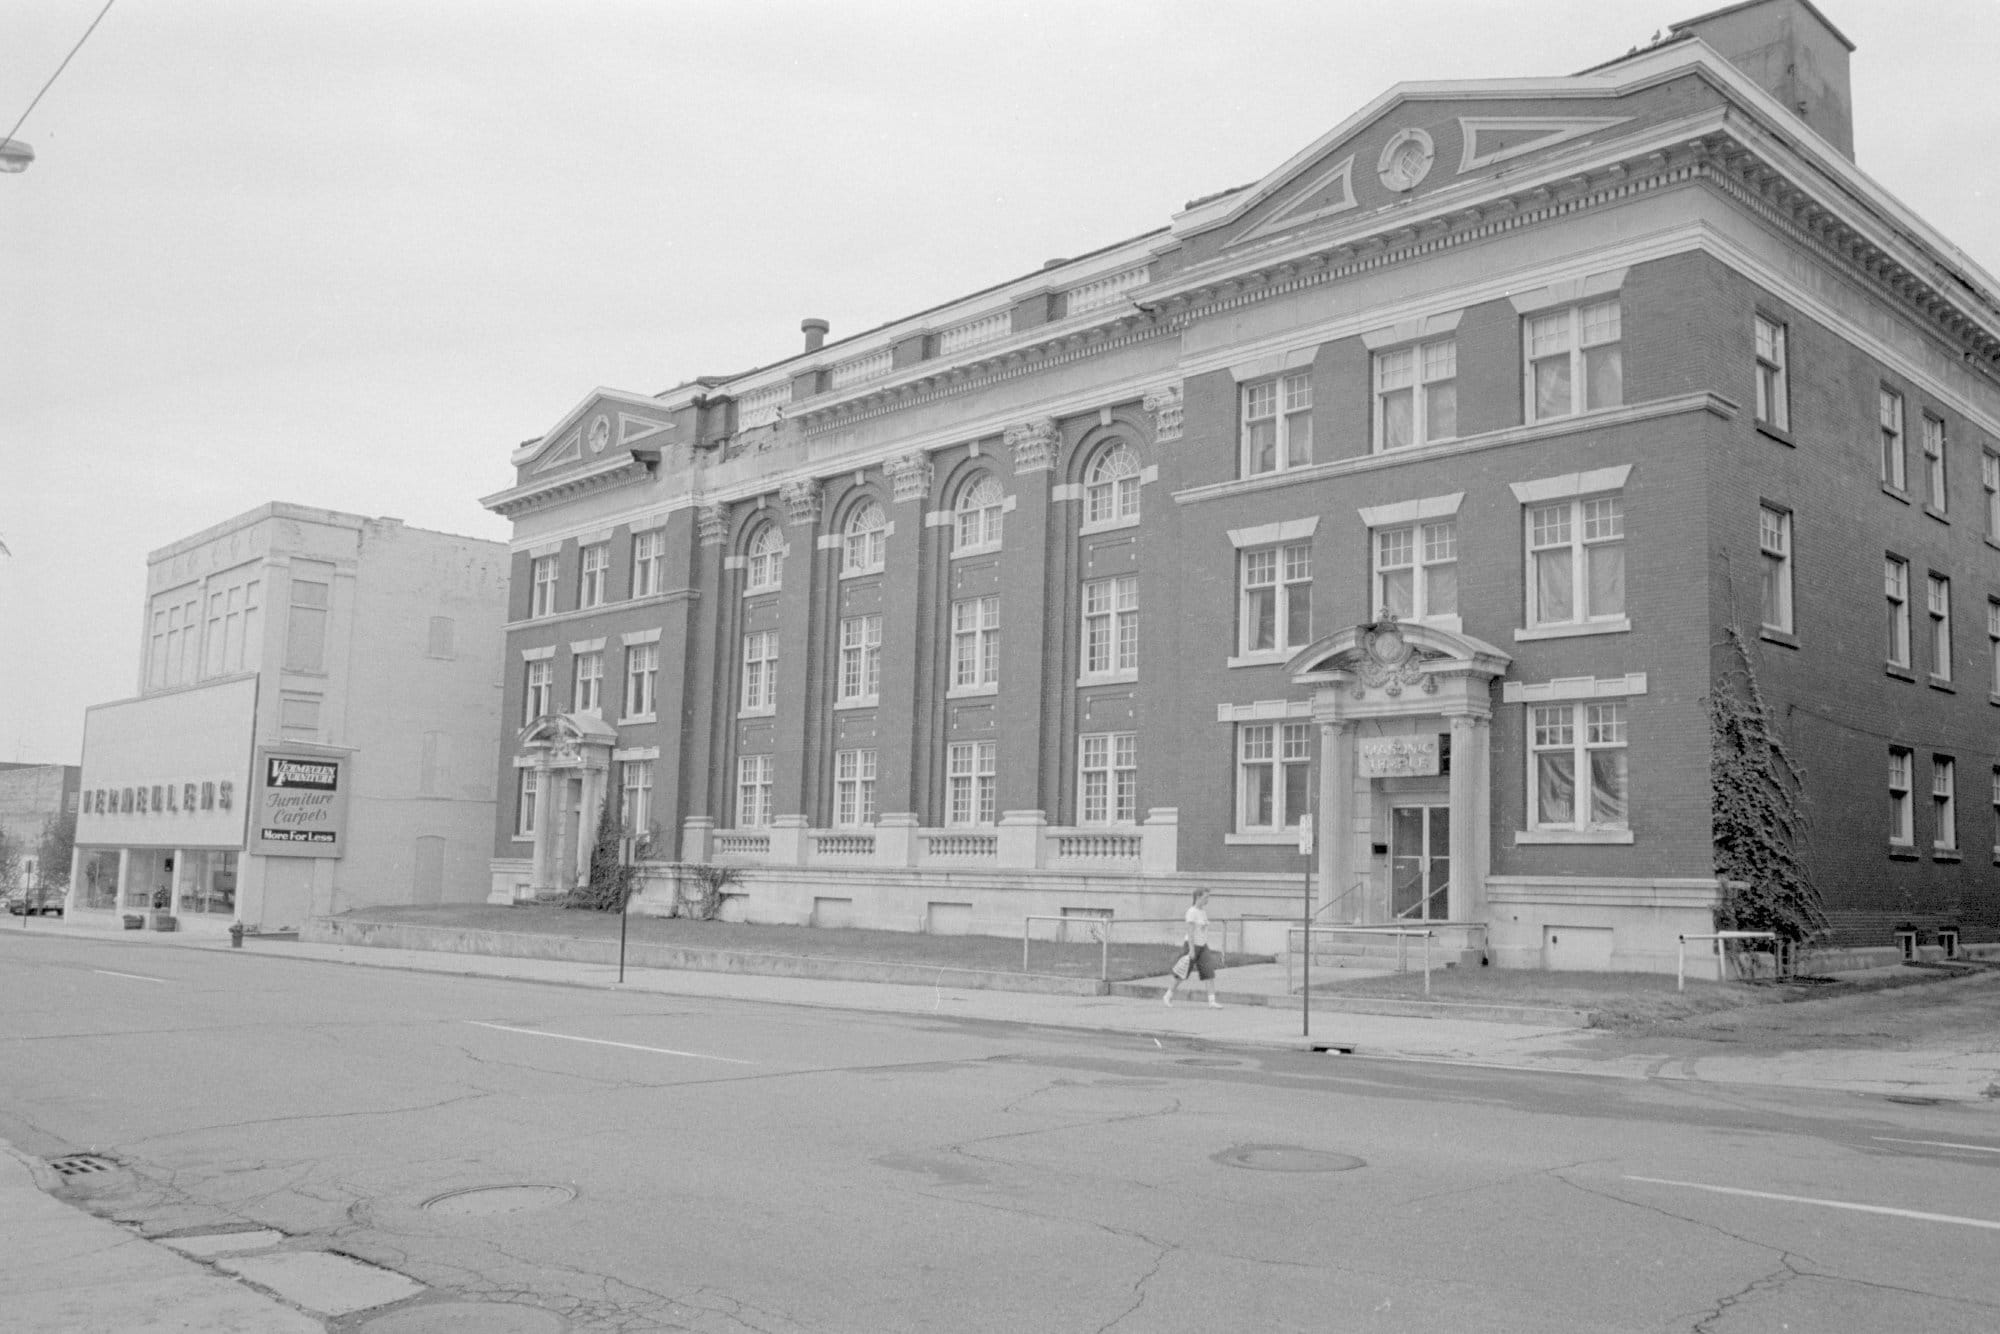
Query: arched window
865	544
1111	491
764	561
976	524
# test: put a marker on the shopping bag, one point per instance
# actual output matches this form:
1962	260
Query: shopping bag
1182	964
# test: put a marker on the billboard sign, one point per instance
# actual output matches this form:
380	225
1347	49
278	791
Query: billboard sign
301	808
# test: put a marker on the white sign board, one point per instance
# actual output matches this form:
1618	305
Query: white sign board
1413	756
168	771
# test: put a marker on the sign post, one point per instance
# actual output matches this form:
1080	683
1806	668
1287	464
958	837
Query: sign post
1306	991
625	851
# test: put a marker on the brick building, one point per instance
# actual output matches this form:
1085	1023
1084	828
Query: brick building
1418	484
30	795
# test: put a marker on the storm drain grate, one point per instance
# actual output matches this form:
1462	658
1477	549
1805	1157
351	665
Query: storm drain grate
1286	1158
82	1164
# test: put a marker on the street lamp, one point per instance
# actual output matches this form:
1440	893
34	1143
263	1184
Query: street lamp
15	155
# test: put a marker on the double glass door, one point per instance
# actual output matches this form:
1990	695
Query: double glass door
1420	863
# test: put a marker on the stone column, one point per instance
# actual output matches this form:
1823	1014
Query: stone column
1336	819
1471	804
124	879
541	878
180	879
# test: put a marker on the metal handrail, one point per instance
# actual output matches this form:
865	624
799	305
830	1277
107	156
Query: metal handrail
1101	928
1400	932
1721	947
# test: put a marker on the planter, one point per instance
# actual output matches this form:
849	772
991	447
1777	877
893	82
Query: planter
133	921
161	921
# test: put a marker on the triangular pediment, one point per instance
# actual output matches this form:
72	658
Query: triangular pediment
607	425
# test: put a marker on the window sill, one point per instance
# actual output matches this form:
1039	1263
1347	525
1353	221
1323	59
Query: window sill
1781	434
1108	525
638	719
529	837
1277	658
1783	638
770	712
1947	855
1619	626
1380	450
862	702
989	549
1110	679
1895	493
1263	838
1900	672
862	574
972	692
1526	837
1902	852
1942	683
1936	513
762	590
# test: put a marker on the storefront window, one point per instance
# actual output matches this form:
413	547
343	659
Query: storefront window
99	887
208	884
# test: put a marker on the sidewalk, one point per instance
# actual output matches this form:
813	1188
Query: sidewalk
1256	1012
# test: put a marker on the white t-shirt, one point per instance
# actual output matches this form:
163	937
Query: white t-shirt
1197	921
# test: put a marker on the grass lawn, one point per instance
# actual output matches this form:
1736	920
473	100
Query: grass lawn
993	953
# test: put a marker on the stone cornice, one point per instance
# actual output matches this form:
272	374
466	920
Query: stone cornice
540	494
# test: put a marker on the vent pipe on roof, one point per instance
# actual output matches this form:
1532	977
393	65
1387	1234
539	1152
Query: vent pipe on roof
815	331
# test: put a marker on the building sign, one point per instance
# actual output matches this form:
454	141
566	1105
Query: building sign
168	770
1397	756
301	804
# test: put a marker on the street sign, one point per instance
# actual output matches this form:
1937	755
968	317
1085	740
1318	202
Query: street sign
1306	834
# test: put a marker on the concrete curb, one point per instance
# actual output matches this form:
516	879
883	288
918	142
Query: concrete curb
572	949
1335	1003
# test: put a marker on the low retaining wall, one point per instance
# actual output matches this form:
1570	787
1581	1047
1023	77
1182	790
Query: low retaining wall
571	949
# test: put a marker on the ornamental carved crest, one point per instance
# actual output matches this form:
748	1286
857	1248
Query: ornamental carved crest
1388	662
909	476
801	499
1034	445
1165	405
710	521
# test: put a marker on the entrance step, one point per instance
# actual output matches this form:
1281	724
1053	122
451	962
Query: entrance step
1451	943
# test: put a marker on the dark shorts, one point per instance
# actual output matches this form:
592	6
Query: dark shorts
1204	963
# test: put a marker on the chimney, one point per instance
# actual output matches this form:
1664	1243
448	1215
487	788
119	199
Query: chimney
1790	49
815	331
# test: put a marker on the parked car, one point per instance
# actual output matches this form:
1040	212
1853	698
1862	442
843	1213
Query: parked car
45	900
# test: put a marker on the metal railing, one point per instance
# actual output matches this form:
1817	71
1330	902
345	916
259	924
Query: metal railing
1721	950
1402	933
1100	929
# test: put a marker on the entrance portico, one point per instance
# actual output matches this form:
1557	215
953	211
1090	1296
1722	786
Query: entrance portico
571	756
1404	712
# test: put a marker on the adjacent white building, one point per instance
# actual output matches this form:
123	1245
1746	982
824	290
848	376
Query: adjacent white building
319	698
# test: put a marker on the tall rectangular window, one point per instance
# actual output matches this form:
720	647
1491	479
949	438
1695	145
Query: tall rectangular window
233	629
1896	585
760	671
636	785
1416	570
524	805
1108	786
1579	773
1995	791
305	625
971	782
1774	540
1574	362
642	678
853	788
1934	469
1894	462
1944	803
542	600
649	559
1576	558
753	791
1273	761
1276	598
536	699
592	569
1940	610
1989	478
1902	824
1111	626
975	642
1277	424
587	691
860	659
1416	395
1773	390
1993	645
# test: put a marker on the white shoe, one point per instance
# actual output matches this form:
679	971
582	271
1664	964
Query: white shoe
1169	997
1214	1004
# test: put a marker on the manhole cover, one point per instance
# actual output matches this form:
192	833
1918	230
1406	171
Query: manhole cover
489	1201
82	1164
1286	1158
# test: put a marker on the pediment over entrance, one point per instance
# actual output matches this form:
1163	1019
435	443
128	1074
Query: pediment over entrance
569	738
1392	666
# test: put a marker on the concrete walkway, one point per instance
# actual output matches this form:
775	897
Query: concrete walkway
70	1271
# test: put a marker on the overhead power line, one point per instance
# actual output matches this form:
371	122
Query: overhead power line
60	68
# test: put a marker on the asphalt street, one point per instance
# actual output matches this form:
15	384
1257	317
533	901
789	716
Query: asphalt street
692	1163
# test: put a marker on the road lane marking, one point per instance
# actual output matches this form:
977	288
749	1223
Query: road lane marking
136	977
1830	1204
1938	1144
606	1042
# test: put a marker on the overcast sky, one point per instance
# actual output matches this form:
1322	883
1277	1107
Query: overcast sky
350	254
